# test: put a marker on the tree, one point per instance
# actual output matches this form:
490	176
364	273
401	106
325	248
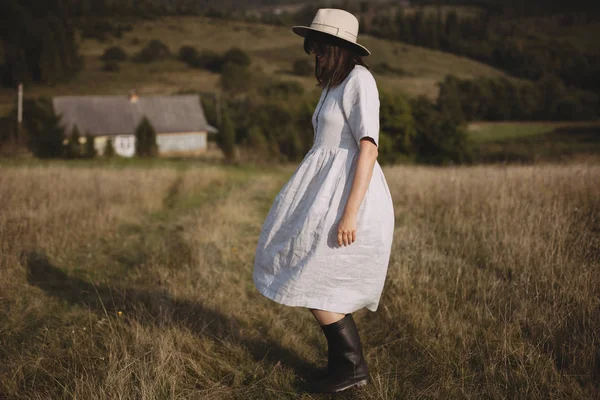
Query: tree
210	60
111	66
154	51
73	149
89	149
114	53
403	27
189	55
39	42
397	126
552	89
439	138
227	135
8	127
44	132
257	144
145	139
452	31
109	149
282	90
419	28
449	99
237	56
235	78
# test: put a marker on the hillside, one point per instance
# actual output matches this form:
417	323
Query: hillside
273	50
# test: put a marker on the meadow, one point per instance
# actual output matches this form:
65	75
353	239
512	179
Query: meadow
530	142
134	281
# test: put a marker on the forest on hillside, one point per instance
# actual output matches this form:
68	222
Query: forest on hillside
560	80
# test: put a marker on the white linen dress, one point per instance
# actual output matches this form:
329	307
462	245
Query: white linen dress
298	260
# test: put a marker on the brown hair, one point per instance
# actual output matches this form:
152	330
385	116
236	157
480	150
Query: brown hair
338	58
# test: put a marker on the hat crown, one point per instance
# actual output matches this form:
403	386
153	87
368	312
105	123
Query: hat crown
337	22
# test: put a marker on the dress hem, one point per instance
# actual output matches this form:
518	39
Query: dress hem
307	303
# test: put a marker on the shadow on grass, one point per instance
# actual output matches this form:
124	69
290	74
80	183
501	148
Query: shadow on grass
159	308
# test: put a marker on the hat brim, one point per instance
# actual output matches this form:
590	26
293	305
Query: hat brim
355	47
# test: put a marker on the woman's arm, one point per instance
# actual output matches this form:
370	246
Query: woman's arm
360	103
362	178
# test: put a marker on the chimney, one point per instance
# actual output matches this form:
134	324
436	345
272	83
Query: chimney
133	97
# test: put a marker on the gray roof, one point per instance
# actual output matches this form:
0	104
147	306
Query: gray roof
113	115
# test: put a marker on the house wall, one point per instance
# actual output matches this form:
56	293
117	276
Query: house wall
124	145
100	144
169	144
187	143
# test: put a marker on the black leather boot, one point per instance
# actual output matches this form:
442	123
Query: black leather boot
346	366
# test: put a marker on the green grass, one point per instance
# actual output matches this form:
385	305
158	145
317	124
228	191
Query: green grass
273	50
534	142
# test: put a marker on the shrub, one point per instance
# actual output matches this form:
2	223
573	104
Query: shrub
89	149
303	68
209	105
111	66
114	53
73	149
398	129
439	138
189	55
99	30
235	78
109	148
210	60
145	139
237	56
283	90
8	127
154	51
257	145
226	138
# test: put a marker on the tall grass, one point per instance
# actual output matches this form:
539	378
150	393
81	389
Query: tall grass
136	283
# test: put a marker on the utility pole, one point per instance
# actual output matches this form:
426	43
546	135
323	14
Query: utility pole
19	113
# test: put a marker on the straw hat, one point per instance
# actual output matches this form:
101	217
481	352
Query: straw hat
337	23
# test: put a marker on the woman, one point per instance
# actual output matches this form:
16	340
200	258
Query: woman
326	241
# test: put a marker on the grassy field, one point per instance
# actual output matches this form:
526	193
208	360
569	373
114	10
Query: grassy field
273	50
534	141
134	281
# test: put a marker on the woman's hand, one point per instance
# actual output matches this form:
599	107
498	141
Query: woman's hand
347	229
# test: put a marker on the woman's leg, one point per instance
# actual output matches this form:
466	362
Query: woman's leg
346	366
326	317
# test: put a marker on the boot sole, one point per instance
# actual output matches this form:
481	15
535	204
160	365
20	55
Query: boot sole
355	384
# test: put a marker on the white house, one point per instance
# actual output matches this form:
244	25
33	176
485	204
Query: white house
179	121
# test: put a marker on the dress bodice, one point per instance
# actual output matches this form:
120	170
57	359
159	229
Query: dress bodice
348	112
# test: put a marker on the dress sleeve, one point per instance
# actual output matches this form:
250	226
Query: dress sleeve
361	106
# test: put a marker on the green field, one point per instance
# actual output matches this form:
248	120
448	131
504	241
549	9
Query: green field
273	50
533	142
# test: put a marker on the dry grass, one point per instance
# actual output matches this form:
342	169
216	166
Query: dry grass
136	283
